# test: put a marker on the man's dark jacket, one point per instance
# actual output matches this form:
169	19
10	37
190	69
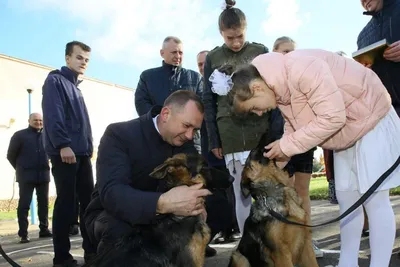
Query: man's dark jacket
128	153
156	84
65	114
26	154
385	24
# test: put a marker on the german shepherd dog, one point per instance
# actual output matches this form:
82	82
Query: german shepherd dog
170	241
266	241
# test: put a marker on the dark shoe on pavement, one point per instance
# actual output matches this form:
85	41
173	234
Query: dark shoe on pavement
45	233
365	232
24	240
235	236
74	229
67	263
210	252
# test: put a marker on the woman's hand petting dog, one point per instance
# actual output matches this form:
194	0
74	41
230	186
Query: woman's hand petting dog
183	201
275	152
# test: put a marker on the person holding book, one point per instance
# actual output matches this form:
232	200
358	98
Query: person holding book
336	103
384	26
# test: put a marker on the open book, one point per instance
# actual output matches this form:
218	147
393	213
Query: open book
368	54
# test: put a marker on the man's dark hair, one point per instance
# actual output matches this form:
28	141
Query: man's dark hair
69	48
180	98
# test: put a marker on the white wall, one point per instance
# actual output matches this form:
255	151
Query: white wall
106	103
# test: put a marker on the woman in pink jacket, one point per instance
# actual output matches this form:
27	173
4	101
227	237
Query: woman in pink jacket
334	102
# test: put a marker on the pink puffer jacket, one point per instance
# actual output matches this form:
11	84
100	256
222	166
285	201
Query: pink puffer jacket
326	99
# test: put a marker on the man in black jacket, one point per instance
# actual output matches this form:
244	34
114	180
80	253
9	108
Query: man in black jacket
68	142
26	154
384	24
125	194
156	84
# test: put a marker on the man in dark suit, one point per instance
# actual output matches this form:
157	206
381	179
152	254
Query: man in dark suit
129	151
26	154
69	144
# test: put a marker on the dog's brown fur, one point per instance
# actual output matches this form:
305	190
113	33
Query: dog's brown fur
280	244
179	174
170	240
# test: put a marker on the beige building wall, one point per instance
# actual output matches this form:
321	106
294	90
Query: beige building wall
106	103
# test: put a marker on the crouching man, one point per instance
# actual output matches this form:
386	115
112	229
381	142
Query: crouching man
125	194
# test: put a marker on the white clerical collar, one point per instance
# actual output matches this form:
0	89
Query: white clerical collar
155	123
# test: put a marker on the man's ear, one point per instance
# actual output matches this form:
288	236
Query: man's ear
161	171
165	113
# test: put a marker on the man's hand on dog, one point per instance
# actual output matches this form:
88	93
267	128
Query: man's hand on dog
183	201
275	152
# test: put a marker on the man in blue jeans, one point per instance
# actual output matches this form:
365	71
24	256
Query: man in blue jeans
68	142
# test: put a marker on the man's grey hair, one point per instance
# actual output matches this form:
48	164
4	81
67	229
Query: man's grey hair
171	38
201	52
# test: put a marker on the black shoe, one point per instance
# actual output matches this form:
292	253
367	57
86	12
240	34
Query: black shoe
74	229
334	201
45	233
89	257
235	236
365	232
219	239
210	252
24	240
67	263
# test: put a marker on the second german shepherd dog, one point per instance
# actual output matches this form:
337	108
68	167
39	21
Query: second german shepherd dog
267	241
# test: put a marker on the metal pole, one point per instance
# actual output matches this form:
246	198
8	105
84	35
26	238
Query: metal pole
33	203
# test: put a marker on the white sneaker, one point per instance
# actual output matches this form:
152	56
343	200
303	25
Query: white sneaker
317	251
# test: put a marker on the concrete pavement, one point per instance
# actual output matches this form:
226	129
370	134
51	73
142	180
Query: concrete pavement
39	251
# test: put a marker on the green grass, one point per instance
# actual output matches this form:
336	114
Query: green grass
12	214
319	189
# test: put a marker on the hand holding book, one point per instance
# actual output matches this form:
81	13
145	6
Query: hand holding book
368	55
392	53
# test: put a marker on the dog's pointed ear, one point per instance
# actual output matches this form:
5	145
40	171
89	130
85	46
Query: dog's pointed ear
245	188
161	171
264	140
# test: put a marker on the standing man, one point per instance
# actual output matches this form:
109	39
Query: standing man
156	84
68	142
232	232
26	154
384	24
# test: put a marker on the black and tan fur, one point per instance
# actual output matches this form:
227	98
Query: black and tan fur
170	241
267	241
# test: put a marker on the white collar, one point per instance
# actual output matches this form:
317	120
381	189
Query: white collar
155	123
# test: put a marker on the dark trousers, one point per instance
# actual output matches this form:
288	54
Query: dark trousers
72	181
230	197
76	215
104	230
25	198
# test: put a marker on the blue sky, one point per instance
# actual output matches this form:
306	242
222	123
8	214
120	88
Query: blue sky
126	35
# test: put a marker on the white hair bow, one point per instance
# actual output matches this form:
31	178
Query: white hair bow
221	83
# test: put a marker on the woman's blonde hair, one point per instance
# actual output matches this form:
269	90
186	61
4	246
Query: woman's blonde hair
281	40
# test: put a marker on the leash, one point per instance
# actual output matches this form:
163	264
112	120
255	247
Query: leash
359	202
7	258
